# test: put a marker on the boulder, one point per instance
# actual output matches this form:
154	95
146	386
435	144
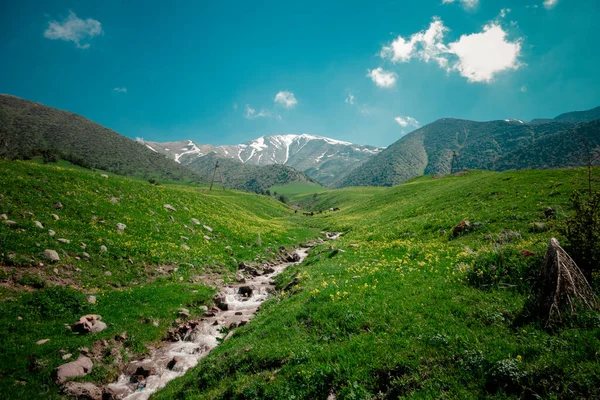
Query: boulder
461	227
42	341
90	323
221	301
195	221
38	224
51	232
83	390
115	392
169	207
185	247
55	217
184	312
63	241
121	227
142	368
3	216
292	257
57	206
51	255
9	222
80	367
206	237
104	176
91	299
208	228
86	255
245	291
103	249
114	200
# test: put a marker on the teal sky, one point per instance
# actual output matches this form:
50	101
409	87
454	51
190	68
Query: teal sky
225	72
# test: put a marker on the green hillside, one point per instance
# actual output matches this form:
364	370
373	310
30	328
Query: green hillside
580	116
396	309
29	129
494	145
160	262
250	178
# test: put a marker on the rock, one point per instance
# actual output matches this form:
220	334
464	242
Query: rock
208	228
121	227
185	238
51	255
352	245
86	255
42	341
51	232
83	245
195	221
292	257
80	367
172	218
67	356
221	301
63	241
185	247
549	212
461	227
104	176
90	323
115	392
228	248
478	224
184	312
55	270
240	277
3	216
122	337
114	200
175	363
9	222
83	390
141	368
91	299
108	273
169	207
20	318
155	323
245	291
203	308
38	224
57	206
206	237
103	249
55	217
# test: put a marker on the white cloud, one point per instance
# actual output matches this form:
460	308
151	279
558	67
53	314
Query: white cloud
252	114
407	121
504	12
550	3
466	3
120	89
477	57
287	99
74	29
382	78
350	99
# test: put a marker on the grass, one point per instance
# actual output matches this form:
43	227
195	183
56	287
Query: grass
296	188
395	315
146	273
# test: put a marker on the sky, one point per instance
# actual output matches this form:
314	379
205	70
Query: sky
368	72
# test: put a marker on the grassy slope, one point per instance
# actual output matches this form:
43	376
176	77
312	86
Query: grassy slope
395	315
137	292
297	188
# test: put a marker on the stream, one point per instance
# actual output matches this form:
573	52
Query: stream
237	303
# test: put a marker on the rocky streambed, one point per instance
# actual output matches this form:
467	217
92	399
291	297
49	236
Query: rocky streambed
236	304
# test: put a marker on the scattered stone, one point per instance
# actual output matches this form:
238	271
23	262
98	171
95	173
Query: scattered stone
55	217
91	299
55	270
141	369
103	249
80	367
206	237
461	227
245	291
39	224
221	301
42	341
51	255
185	238
83	245
208	228
185	247
67	356
172	218
292	257
77	258
83	390
184	312
9	222
51	232
57	206
108	273
121	227
512	234
86	255
549	212
169	207
195	221
19	318
352	245
104	176
122	337
63	241
478	224
155	323
203	308
90	323
114	200
3	216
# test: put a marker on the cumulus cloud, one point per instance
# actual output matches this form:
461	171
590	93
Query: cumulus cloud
252	114
120	89
382	78
407	121
477	57
550	3
285	98
74	29
466	3
350	99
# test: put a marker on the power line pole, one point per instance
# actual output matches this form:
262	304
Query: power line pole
220	174
454	166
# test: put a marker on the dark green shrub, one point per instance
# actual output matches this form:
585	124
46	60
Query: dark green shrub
582	231
32	281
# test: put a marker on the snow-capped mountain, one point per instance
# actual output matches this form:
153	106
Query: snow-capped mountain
321	158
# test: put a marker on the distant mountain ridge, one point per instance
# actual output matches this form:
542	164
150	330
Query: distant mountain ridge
493	145
323	159
29	129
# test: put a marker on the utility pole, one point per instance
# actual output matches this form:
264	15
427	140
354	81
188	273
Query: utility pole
220	174
454	166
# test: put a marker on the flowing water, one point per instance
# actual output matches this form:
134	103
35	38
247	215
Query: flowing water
239	304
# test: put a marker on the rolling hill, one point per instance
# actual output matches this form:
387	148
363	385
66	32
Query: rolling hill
28	129
494	145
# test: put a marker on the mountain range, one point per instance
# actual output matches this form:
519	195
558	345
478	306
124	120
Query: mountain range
321	158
